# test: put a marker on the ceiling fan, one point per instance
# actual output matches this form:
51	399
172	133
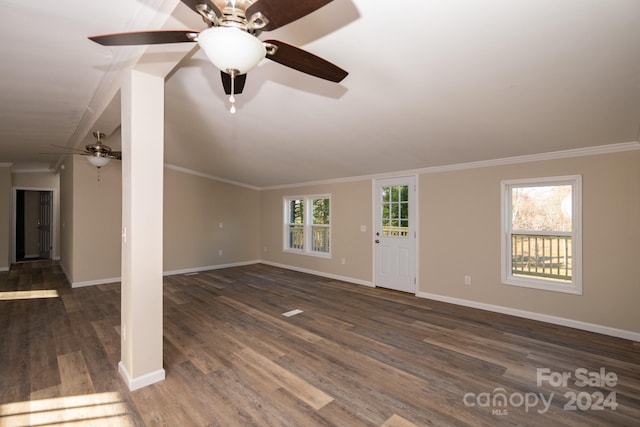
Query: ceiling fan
231	39
99	155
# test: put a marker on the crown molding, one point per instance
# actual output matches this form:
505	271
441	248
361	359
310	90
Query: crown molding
554	155
37	170
210	177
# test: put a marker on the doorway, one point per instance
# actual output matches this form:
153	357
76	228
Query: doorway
395	233
33	219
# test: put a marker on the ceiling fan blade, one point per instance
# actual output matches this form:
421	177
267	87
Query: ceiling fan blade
65	148
68	154
238	85
145	37
282	12
301	60
116	155
193	3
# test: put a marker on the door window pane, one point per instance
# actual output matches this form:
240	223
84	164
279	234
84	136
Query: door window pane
395	210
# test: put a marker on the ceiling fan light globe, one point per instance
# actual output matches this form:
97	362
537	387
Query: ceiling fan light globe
98	161
230	48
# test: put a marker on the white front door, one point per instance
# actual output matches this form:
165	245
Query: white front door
395	233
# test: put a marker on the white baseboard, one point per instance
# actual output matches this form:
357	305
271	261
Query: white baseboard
95	282
591	327
320	273
229	265
141	381
4	268
209	267
165	273
577	324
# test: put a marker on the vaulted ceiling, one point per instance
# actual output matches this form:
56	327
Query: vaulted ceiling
431	83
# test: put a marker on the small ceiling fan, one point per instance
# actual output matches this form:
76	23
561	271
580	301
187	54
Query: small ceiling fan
231	39
98	154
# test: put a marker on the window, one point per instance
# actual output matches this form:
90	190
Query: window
541	241
307	225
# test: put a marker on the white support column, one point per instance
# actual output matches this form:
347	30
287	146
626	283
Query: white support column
142	212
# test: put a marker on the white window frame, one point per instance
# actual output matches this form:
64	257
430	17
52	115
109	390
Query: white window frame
307	219
573	287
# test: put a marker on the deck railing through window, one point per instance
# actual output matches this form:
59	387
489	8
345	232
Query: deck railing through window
546	256
394	230
296	237
320	239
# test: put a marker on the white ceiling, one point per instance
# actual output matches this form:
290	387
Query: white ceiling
431	83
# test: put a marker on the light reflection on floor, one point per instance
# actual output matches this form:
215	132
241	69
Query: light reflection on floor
99	409
15	295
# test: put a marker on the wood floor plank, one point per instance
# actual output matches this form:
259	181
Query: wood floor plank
194	349
277	405
159	407
46	393
43	363
108	336
71	303
216	397
14	366
309	394
74	375
397	421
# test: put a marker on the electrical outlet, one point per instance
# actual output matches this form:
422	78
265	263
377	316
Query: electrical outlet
344	261
220	252
467	280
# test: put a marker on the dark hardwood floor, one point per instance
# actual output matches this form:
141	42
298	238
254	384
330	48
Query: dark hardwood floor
355	356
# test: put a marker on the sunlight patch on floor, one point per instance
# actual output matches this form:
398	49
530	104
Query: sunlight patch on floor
99	409
36	294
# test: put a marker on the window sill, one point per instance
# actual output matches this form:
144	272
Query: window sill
307	253
544	285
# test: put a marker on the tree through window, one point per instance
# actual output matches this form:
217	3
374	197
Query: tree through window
541	241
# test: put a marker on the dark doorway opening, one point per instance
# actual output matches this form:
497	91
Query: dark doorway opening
33	225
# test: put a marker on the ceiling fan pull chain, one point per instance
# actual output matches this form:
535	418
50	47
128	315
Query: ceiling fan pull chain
232	99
